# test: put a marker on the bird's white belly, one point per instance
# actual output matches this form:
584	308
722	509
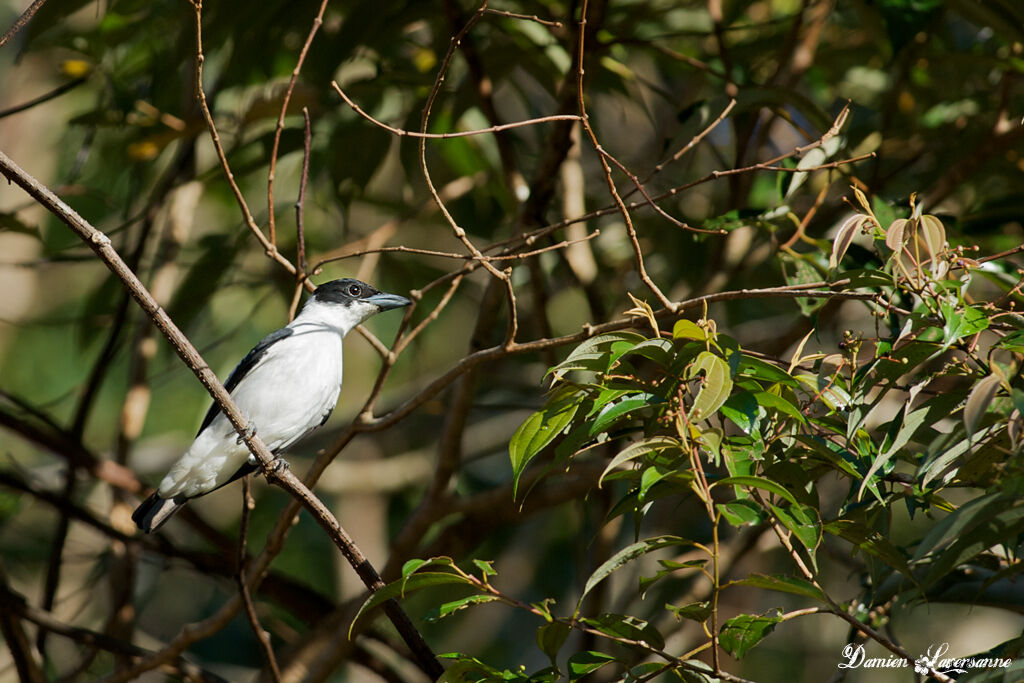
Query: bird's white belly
285	397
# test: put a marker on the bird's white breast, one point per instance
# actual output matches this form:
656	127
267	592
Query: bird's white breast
286	395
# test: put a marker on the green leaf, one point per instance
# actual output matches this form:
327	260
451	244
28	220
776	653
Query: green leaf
687	329
1002	528
767	399
959	325
414	565
669	567
741	512
871	542
551	637
595	353
653	444
741	409
782	584
757	483
448	608
694	611
907	429
486	567
402	587
628	554
755	368
613	412
803	521
540	429
625	626
739	634
717	385
657	350
583	663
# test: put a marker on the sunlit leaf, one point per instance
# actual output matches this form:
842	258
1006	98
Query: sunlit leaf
583	663
717	384
783	584
540	429
739	634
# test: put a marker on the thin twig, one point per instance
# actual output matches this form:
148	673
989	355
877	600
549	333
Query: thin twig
21	21
634	240
300	235
269	248
45	97
527	17
279	128
262	637
401	132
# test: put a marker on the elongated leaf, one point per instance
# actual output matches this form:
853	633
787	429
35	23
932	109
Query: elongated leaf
539	430
583	663
755	368
403	587
741	409
908	428
658	350
959	325
803	521
741	512
782	584
844	238
738	635
628	554
615	411
695	611
757	483
960	523
449	608
769	400
979	400
1005	524
655	443
625	626
594	349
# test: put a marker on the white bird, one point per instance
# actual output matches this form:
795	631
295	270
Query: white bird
287	386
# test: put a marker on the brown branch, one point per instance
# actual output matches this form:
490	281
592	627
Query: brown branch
271	466
21	21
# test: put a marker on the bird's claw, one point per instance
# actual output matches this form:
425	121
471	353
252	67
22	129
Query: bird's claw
250	431
277	465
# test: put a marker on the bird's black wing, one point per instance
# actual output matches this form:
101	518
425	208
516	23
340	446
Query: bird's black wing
244	367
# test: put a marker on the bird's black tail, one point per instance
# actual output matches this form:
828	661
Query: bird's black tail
154	511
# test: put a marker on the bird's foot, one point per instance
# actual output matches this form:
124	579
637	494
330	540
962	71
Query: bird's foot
277	465
250	431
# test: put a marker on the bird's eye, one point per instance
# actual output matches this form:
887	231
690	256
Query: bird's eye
355	290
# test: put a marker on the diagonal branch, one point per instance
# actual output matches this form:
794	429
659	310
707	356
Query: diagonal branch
271	466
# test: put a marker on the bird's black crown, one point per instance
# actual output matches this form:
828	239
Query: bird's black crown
343	291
